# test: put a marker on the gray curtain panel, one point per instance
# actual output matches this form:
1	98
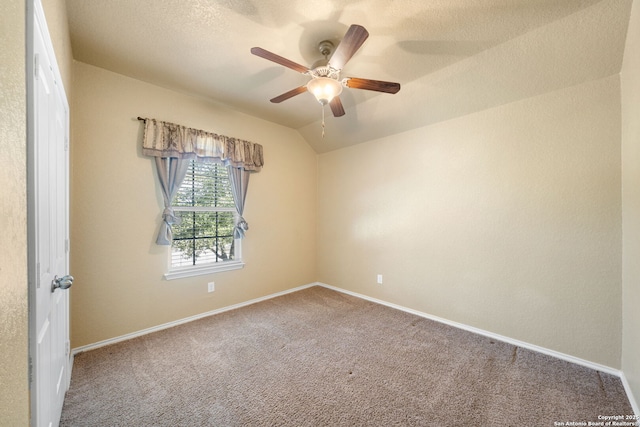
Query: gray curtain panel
171	173
239	179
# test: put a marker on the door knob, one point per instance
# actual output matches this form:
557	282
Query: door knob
63	282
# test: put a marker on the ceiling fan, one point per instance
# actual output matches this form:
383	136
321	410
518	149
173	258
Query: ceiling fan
325	83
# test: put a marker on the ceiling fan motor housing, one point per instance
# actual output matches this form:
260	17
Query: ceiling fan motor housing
325	71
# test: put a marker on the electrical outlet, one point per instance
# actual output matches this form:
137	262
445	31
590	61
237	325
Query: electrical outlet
211	286
379	279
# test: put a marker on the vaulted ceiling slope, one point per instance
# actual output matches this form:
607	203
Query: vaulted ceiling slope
452	57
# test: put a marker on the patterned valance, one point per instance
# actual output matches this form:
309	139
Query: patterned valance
168	140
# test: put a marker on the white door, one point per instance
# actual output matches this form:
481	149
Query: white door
49	206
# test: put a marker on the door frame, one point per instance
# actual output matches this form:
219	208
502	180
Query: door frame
35	13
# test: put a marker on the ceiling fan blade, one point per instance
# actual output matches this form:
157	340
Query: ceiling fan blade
258	51
336	107
353	39
377	85
290	94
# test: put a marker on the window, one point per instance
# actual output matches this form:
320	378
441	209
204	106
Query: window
203	240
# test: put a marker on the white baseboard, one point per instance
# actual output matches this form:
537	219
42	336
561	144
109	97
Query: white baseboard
182	321
632	399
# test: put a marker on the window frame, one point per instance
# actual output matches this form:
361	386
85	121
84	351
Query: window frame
210	268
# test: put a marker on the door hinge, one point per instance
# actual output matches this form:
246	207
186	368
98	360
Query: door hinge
30	370
66	143
66	245
68	349
36	60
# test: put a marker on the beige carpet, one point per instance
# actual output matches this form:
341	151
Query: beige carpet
321	358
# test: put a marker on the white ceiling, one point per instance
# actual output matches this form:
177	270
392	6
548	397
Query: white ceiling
452	57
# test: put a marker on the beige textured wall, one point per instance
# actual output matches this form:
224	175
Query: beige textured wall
507	220
55	12
14	390
116	208
630	82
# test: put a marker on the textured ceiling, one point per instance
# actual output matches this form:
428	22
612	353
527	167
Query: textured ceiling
452	57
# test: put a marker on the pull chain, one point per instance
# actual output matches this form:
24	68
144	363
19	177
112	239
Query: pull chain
323	121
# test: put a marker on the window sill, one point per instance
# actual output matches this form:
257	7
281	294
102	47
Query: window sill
202	270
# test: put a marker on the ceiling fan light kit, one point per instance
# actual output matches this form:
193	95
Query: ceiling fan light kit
324	89
325	73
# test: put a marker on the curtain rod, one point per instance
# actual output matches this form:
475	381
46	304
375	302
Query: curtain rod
142	119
